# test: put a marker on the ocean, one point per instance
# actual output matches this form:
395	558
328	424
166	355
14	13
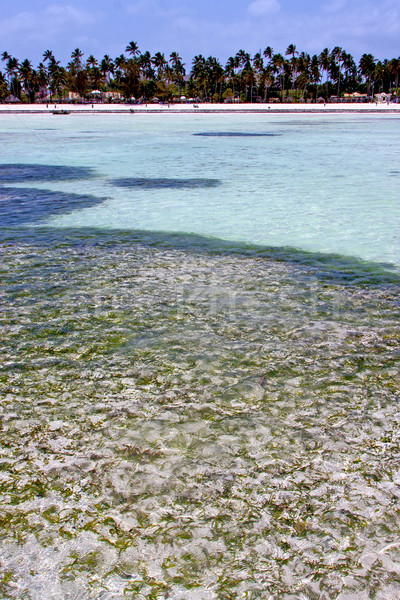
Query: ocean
200	337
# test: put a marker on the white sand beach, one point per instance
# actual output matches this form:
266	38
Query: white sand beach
202	108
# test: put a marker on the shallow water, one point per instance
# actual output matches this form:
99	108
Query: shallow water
186	417
312	182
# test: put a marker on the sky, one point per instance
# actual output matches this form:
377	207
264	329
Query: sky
210	27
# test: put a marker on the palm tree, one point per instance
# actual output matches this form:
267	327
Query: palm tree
3	87
132	49
120	61
42	80
91	61
178	69
266	80
366	67
107	67
278	66
335	69
76	64
76	54
215	76
96	77
177	64
337	58
47	55
315	73
160	63
26	74
146	66
268	52
258	62
325	63
230	72
349	66
304	68
249	80
12	74
12	66
243	58
302	81
245	77
57	77
81	84
394	71
198	73
380	72
291	51
175	59
258	66
231	66
129	80
78	77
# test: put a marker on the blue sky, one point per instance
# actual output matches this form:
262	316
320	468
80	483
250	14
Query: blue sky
210	27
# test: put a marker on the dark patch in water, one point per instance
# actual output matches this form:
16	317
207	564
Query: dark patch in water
29	205
15	173
301	123
165	182
329	268
235	134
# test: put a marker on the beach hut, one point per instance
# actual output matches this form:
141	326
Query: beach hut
383	97
357	97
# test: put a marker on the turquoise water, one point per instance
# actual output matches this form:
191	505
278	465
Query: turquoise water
321	183
200	357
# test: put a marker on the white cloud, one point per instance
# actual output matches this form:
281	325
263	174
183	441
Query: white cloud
47	24
138	8
154	8
357	26
259	8
192	28
334	6
69	14
17	24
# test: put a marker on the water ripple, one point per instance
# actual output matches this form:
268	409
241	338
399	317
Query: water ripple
172	418
165	182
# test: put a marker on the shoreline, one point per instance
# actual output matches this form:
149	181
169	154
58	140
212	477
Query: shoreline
202	108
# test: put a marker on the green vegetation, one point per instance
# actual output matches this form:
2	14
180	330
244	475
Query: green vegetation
204	449
267	76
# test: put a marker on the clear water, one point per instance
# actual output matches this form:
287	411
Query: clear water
200	349
320	183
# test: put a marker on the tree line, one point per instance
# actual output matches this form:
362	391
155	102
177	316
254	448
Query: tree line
266	76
